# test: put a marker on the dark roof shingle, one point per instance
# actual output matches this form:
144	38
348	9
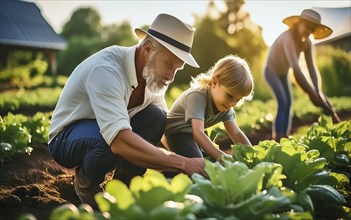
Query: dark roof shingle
22	24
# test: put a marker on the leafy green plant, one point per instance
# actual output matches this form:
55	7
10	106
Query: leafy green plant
333	142
23	100
303	165
18	133
149	197
14	137
27	76
234	191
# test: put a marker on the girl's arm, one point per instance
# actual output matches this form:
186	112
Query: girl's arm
204	141
235	133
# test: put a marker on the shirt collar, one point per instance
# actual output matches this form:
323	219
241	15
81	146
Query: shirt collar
130	67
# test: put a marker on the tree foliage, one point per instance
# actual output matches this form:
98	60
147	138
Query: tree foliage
220	33
86	35
85	22
335	67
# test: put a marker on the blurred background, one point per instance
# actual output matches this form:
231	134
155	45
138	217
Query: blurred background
43	41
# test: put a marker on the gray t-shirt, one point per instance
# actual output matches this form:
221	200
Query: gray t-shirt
194	103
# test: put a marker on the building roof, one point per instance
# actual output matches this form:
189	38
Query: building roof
22	24
338	19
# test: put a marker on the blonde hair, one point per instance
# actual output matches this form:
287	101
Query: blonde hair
232	72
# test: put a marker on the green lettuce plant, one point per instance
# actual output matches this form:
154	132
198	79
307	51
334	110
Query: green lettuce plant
234	191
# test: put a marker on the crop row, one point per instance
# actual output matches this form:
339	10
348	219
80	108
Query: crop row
298	178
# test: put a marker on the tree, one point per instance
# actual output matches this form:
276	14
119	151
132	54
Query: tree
84	22
220	33
86	36
118	34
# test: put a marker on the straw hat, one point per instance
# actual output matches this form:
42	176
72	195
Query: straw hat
321	30
173	34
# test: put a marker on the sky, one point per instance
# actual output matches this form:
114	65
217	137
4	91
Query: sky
267	14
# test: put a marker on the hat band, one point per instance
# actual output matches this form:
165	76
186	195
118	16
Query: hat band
169	40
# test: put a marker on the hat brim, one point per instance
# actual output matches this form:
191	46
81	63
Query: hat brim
185	56
320	32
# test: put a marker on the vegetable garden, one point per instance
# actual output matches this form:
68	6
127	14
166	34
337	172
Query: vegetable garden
305	176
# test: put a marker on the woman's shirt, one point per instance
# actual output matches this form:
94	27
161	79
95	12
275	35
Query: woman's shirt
285	52
194	103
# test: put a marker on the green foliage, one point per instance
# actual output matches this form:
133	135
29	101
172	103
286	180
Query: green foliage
72	212
233	191
27	76
329	202
333	141
118	34
149	197
304	167
19	133
14	138
81	47
213	40
335	68
84	22
169	199
24	100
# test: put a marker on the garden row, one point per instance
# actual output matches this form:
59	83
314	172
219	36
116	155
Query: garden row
298	178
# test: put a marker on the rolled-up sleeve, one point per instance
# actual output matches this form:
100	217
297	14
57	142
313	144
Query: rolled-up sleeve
107	94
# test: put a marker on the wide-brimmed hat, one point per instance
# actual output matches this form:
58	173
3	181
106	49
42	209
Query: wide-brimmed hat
173	34
310	15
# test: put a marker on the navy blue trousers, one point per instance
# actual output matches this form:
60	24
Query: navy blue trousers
82	145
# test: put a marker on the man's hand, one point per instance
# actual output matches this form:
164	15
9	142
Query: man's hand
195	165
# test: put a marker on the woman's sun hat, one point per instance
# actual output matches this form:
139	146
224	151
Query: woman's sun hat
310	15
173	34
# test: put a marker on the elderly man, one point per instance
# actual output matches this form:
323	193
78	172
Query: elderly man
111	112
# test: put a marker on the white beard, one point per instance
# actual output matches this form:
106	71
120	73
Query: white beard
151	80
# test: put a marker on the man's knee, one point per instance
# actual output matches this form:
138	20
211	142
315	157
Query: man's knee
150	117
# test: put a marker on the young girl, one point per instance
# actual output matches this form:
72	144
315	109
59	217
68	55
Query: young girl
209	100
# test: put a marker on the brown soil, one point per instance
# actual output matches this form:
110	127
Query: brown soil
36	184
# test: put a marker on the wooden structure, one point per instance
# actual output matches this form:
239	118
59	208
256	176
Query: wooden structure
22	27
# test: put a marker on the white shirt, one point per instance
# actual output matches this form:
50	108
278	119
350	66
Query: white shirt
99	88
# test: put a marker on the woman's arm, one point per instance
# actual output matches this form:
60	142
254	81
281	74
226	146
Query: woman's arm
311	66
289	48
293	59
317	81
235	133
204	141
